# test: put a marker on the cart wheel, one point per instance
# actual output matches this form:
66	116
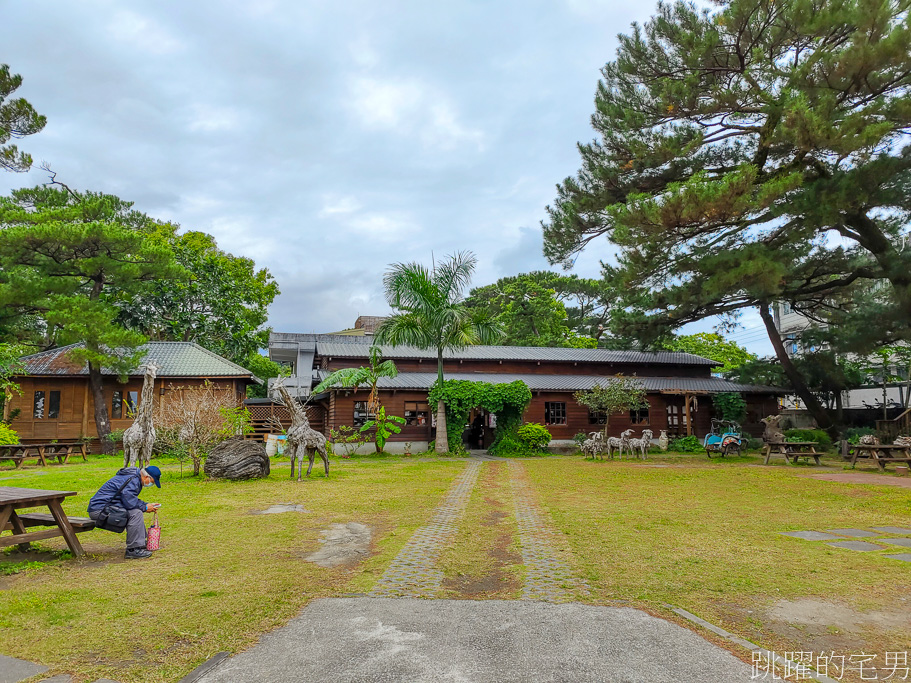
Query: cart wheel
732	449
708	452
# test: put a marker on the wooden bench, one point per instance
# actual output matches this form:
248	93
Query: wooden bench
79	524
791	449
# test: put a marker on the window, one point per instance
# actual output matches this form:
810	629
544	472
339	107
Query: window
596	418
38	412
117	405
53	405
361	414
785	308
133	402
416	413
639	417
554	413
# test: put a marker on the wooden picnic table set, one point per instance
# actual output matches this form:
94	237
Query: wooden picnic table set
880	453
791	450
13	499
42	452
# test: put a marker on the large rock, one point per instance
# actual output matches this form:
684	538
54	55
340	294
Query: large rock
237	458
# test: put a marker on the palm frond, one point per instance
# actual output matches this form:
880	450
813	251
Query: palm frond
405	329
410	287
453	275
346	378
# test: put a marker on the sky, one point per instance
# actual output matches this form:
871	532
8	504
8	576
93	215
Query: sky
325	140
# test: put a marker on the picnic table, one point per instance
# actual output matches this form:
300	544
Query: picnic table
880	453
791	449
13	499
42	452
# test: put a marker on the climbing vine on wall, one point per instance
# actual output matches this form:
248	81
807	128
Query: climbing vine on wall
507	401
731	406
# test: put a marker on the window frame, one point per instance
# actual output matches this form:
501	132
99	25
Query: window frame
43	408
550	407
635	417
117	405
597	417
413	421
356	419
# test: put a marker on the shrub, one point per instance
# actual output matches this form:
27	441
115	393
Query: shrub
7	434
580	438
817	435
534	437
346	440
853	434
753	444
509	445
686	444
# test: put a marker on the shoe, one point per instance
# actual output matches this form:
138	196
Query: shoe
137	554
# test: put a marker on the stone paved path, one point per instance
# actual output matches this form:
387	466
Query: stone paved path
413	573
548	577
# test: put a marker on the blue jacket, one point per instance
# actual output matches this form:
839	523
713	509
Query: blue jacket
127	499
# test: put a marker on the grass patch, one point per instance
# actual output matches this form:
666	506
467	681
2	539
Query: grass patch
223	576
483	560
704	535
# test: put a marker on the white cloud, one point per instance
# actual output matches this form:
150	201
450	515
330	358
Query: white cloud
207	119
334	205
385	104
143	33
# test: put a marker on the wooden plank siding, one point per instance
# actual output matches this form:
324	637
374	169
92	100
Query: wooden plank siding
77	406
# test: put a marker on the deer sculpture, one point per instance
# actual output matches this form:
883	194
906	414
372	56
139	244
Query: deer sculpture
593	446
641	445
139	437
301	439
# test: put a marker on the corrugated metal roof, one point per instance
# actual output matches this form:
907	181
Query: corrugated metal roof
424	380
520	353
175	359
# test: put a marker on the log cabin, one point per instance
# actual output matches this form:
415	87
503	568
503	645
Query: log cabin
679	387
55	404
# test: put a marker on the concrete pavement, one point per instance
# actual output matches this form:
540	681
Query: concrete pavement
410	639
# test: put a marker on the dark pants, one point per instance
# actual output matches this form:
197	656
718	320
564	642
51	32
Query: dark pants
136	528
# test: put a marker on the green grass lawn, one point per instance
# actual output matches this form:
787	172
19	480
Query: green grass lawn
222	577
704	535
678	529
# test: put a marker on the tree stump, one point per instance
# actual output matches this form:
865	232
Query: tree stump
236	459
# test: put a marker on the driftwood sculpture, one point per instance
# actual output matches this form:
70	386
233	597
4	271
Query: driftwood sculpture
903	441
139	437
641	445
772	433
593	446
663	440
301	439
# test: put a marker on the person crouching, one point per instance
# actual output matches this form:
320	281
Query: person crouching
117	499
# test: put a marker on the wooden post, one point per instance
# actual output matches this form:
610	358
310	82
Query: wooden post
85	410
686	408
7	401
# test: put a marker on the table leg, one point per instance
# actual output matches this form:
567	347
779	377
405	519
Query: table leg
5	512
882	465
68	534
18	528
854	457
768	453
23	454
41	456
82	450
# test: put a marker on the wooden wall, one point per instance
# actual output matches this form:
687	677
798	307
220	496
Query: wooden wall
77	408
341	412
528	367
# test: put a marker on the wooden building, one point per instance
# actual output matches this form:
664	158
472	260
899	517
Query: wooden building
55	401
679	385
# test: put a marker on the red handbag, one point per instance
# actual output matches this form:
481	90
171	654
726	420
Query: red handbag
153	538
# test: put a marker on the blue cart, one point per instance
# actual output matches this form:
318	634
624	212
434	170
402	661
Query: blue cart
725	438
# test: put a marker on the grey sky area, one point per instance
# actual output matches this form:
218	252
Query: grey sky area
324	140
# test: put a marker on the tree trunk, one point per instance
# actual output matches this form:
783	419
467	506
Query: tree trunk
839	408
102	421
442	443
819	413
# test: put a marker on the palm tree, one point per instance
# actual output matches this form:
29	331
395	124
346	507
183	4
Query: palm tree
430	313
362	377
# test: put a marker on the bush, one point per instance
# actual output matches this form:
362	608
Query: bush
686	444
580	438
753	444
8	435
853	434
534	437
817	435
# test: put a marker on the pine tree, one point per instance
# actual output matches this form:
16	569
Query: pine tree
733	144
17	119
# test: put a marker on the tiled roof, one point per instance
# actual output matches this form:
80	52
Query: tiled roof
175	359
424	380
519	353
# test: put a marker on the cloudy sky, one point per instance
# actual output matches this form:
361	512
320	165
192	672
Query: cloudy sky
324	140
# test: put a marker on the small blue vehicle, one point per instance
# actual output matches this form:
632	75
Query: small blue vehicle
725	438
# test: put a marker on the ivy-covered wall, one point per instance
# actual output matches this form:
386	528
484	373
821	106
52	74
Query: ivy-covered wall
507	401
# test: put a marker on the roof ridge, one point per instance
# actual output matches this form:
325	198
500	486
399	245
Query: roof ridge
221	358
56	349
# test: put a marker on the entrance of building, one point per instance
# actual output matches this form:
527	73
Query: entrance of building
480	431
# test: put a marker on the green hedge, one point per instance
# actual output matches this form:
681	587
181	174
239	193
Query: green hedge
817	435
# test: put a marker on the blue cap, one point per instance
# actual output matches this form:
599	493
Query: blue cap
155	473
